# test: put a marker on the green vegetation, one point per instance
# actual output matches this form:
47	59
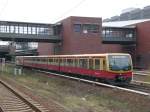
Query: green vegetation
77	96
142	78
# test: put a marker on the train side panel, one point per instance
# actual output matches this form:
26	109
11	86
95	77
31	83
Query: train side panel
103	72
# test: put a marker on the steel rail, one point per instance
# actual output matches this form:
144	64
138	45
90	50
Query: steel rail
141	82
35	106
97	83
142	74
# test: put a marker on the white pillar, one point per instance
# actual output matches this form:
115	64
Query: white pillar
20	71
15	71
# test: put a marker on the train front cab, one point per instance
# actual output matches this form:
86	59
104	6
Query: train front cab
119	68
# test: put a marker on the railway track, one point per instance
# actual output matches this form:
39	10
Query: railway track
12	100
138	87
142	78
141	73
134	87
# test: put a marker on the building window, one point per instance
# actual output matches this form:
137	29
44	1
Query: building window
77	27
90	28
94	28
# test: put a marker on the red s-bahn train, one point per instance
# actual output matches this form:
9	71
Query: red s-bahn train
115	68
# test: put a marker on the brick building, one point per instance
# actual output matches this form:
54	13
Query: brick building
83	35
80	35
143	43
140	49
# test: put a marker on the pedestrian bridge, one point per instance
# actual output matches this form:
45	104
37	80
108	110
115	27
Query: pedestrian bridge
29	32
119	35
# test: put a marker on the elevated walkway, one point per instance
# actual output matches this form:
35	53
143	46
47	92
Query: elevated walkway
119	35
29	32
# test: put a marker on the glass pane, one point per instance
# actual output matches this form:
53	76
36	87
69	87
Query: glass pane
70	62
90	28
83	63
61	62
91	64
77	27
76	63
50	60
97	64
120	62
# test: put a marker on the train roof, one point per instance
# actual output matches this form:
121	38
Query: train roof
78	55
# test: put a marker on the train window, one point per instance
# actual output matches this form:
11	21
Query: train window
91	64
61	62
64	62
50	61
83	63
43	60
29	60
38	60
104	65
97	64
70	62
76	63
56	61
67	62
33	60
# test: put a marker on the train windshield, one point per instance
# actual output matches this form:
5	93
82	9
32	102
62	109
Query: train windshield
119	62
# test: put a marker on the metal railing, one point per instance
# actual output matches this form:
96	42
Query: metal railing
17	31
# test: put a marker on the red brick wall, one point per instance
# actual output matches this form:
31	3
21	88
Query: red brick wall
45	48
143	37
81	43
143	43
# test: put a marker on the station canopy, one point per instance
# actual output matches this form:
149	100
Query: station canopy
119	24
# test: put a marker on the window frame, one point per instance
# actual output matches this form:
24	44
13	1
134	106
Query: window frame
77	27
83	65
95	64
89	28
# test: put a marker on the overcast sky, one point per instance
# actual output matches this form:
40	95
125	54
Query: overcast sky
51	11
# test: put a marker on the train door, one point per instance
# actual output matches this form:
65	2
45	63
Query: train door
76	62
102	64
97	64
91	63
